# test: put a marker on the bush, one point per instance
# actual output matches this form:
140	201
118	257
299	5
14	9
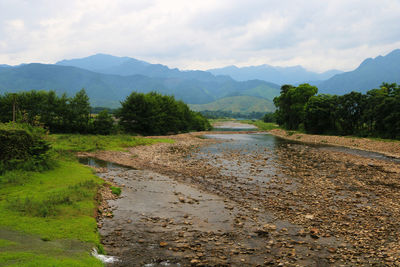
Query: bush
116	190
22	147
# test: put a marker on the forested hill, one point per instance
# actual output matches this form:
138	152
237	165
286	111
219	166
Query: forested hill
370	74
108	90
238	104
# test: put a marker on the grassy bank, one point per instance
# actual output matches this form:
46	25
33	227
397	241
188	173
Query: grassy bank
38	209
85	143
263	126
47	218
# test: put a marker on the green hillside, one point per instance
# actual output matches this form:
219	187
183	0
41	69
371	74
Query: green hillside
108	90
239	104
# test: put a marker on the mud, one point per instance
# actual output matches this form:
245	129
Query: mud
250	200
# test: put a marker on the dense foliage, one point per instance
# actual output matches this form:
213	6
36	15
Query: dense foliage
22	147
153	114
58	114
150	113
290	104
269	117
376	113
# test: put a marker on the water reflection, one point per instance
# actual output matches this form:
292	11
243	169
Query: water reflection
98	163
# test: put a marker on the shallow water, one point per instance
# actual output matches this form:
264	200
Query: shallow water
249	143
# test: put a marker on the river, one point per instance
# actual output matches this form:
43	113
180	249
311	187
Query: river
248	200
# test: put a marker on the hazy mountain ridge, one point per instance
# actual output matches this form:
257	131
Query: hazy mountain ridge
278	75
369	75
109	79
126	66
108	90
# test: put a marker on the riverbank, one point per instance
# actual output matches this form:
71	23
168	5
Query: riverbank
389	148
287	204
48	218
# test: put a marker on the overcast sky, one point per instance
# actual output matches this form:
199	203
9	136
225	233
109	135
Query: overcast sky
202	34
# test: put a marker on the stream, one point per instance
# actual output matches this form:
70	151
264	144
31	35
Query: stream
250	208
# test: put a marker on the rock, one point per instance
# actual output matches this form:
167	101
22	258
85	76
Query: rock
332	250
270	227
309	216
163	244
262	232
314	233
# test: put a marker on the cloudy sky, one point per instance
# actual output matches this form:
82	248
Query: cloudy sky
202	34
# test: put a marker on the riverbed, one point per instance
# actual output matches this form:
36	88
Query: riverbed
249	199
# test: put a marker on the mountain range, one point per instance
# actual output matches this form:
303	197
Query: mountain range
369	75
279	75
106	86
109	79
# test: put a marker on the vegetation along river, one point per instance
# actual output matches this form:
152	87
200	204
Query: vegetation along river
248	199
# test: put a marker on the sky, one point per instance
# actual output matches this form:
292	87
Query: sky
202	34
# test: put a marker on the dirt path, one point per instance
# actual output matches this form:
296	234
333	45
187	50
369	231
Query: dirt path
316	208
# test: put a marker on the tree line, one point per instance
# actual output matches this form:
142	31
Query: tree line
149	114
375	113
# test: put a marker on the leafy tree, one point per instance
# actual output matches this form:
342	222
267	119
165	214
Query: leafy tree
79	112
320	114
291	103
154	114
269	117
103	123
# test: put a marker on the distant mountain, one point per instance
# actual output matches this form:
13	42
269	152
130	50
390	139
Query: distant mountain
239	104
369	75
108	90
278	75
126	66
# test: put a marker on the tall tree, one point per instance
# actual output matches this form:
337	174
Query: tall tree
291	104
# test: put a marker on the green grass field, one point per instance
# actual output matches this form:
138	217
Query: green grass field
262	126
84	143
47	218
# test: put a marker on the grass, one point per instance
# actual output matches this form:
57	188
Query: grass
85	143
373	138
52	205
263	126
116	190
6	243
30	259
50	209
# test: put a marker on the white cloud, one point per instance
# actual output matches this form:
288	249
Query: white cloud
319	35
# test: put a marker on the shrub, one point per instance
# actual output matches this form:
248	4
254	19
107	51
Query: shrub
116	190
22	147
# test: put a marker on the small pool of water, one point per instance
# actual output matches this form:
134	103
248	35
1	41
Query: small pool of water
100	163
